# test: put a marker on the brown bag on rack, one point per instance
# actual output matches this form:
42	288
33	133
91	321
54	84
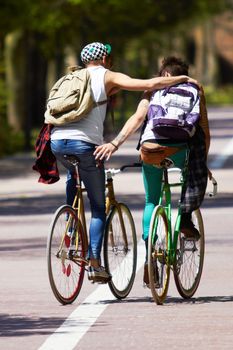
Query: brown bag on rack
153	153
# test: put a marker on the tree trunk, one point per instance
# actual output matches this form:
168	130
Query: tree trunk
205	54
15	71
26	71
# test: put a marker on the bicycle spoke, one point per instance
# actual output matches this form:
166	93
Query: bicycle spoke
189	260
120	251
65	274
159	270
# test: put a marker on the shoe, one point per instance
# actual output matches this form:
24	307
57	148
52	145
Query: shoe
146	280
188	229
98	275
146	275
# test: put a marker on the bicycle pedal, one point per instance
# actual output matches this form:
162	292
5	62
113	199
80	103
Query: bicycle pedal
103	281
99	280
96	281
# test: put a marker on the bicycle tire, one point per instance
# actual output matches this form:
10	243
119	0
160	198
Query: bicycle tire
158	268
189	260
65	273
120	253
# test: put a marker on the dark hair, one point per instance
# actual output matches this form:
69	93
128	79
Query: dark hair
174	66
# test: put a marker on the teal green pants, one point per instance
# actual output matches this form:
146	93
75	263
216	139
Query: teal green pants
152	179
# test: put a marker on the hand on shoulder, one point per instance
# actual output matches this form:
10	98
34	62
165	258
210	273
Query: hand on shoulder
194	81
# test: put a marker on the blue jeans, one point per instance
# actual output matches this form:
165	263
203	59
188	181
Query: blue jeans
93	177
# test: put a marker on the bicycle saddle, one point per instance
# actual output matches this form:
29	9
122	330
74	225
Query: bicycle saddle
72	159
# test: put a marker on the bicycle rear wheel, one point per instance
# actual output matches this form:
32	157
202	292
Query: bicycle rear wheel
190	259
66	272
120	250
158	268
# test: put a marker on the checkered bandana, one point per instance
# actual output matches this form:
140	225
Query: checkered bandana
94	51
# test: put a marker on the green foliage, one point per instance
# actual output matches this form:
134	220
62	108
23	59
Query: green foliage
10	141
136	29
69	20
3	97
221	96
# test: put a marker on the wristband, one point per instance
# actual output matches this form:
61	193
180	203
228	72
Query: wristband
114	145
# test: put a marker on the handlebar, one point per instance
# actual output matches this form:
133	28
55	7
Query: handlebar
214	182
215	187
111	172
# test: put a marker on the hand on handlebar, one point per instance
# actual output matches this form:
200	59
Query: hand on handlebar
215	187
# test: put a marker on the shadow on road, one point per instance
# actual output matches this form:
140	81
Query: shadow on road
22	248
49	203
176	300
200	300
21	326
18	325
221	124
21	165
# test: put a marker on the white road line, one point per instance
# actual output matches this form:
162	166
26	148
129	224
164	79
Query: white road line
67	336
219	161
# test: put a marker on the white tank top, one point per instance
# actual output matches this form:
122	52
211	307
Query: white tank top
90	128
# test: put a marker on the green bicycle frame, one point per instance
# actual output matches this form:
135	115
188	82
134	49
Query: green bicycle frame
165	202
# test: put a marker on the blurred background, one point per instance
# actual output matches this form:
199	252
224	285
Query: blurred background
40	39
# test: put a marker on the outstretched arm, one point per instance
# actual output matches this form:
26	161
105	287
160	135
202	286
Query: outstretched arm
115	81
132	124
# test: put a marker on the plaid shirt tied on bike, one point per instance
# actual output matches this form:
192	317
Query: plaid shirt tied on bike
45	163
197	175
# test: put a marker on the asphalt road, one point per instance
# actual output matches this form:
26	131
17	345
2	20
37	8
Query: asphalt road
30	316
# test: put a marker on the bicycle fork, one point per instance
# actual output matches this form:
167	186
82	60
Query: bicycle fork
111	201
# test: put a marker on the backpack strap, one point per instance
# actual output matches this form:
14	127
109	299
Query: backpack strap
109	107
100	103
147	95
141	133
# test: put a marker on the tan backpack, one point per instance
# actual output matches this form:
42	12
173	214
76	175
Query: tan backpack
70	99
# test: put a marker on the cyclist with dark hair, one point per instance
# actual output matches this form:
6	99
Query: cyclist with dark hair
194	190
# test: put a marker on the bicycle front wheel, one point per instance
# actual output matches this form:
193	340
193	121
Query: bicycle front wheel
190	259
65	272
158	267
120	250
